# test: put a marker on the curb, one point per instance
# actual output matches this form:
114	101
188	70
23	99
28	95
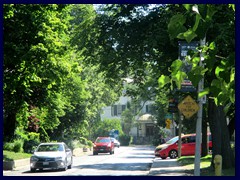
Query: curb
14	164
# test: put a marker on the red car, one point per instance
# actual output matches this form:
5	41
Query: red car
170	148
103	145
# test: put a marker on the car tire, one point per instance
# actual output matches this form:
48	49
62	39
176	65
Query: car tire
173	154
65	167
70	166
95	153
33	169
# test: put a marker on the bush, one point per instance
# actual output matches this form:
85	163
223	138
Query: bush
83	140
32	142
15	146
8	146
18	145
124	140
89	143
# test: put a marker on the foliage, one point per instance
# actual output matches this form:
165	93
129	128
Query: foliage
9	155
222	83
15	146
47	84
103	128
124	139
158	136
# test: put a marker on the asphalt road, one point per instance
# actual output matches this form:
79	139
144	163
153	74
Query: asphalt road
126	161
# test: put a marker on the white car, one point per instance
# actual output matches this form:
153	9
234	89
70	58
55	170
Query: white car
116	142
51	155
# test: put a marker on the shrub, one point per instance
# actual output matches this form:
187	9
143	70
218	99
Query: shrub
124	140
18	145
89	143
32	142
8	146
83	140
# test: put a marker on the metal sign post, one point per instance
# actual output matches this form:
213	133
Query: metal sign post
199	120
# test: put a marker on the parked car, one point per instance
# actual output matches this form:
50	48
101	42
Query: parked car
103	145
51	155
116	142
170	148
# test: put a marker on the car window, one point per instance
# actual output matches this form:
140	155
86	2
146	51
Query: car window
51	147
173	140
103	140
191	139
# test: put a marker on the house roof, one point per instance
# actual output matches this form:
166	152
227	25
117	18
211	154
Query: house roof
147	118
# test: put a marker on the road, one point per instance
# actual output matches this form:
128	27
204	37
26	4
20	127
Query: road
126	161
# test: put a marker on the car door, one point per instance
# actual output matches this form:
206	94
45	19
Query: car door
191	145
188	145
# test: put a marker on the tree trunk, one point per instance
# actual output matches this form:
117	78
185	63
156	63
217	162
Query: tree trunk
220	135
9	126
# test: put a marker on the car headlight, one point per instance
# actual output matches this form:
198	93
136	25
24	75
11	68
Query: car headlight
34	158
165	147
59	158
109	145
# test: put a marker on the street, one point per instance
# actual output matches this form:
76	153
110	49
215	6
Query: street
126	161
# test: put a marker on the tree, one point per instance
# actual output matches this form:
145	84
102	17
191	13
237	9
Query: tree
34	61
219	70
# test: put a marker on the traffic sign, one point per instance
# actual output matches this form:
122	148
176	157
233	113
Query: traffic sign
188	107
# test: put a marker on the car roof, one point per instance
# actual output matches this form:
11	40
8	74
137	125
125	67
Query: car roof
49	143
103	137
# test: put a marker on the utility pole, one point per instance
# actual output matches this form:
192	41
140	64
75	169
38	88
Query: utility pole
199	119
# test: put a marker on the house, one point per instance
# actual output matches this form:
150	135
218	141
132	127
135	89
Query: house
143	128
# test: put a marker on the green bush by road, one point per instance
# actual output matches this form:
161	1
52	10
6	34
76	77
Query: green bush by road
8	156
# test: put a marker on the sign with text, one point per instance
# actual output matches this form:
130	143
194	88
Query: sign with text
188	107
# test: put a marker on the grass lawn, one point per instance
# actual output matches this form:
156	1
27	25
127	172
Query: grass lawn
205	166
8	155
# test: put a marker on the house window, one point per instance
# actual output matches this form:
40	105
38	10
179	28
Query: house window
117	110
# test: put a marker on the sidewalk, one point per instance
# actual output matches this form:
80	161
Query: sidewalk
167	167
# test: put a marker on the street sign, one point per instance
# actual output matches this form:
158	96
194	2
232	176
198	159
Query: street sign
172	105
188	107
168	123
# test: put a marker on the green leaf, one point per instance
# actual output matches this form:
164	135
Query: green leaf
176	25
179	78
187	7
176	65
218	70
189	35
198	17
203	93
163	80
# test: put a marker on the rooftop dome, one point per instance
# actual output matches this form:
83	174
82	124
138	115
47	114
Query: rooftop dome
147	117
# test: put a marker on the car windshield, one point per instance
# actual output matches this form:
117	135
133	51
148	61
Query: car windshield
103	140
50	147
173	140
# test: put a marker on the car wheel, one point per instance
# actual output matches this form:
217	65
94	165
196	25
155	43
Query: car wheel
70	166
173	154
111	152
95	153
65	167
33	170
